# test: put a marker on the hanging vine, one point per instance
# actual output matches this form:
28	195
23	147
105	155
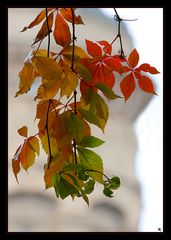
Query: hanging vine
64	120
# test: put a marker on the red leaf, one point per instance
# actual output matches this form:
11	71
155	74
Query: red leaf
133	58
125	69
107	47
127	86
146	84
106	76
93	49
145	67
61	32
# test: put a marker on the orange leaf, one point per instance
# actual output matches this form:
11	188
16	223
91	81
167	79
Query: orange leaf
44	29
25	155
146	84
38	19
133	58
67	14
23	131
127	86
93	49
54	167
145	67
61	32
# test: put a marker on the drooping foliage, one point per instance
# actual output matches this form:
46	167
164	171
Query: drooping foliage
64	126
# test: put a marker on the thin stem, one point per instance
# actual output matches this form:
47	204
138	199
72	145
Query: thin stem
72	68
74	38
49	102
92	170
48	32
48	137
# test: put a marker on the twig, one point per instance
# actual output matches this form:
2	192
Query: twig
72	68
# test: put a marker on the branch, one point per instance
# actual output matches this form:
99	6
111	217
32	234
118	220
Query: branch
92	170
48	137
72	68
47	114
48	32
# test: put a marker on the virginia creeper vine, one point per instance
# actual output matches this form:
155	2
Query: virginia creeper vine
73	169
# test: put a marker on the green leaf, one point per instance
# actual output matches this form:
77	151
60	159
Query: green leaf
90	142
94	103
84	196
107	192
63	188
91	161
106	90
114	183
73	167
84	72
89	186
82	175
88	116
76	127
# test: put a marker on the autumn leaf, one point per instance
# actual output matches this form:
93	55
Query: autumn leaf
145	67
25	155
100	66
68	83
133	58
145	84
61	32
107	48
93	48
50	172
23	131
67	14
127	85
38	19
48	68
79	53
27	76
44	29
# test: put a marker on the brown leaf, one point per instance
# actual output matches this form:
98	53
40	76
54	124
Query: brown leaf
23	131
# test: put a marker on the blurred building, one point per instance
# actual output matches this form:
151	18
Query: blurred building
31	208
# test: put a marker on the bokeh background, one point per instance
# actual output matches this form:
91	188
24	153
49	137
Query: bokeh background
134	135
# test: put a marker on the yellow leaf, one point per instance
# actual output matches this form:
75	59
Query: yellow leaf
27	156
79	53
48	89
69	83
23	131
42	53
27	77
48	68
34	142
